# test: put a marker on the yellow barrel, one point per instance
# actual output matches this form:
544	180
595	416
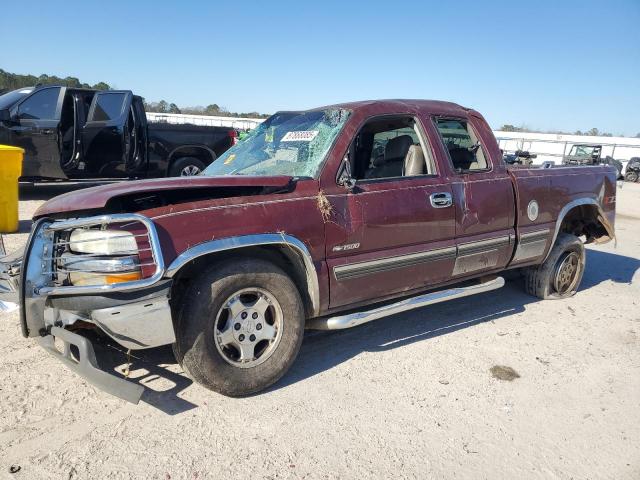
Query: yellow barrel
10	171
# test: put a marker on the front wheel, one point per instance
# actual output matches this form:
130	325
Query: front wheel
240	327
561	273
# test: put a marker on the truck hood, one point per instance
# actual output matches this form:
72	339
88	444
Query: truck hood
96	198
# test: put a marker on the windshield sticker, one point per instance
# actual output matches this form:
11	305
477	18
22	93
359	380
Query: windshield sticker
268	135
302	136
230	159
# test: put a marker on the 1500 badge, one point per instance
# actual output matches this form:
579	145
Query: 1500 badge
348	246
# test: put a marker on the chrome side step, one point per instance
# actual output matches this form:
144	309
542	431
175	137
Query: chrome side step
358	318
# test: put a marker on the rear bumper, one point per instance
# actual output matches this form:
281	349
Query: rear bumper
87	366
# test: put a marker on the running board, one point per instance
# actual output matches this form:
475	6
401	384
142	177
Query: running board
358	318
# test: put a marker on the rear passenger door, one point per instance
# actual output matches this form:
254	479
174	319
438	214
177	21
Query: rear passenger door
482	194
394	231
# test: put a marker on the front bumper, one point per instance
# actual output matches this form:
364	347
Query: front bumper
86	364
136	315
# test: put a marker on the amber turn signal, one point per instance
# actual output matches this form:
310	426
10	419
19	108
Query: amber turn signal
123	277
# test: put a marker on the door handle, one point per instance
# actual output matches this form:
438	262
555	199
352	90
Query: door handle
441	200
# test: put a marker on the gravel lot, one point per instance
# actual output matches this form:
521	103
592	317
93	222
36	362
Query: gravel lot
408	396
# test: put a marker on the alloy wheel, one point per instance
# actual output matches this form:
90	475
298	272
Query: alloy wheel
189	171
248	327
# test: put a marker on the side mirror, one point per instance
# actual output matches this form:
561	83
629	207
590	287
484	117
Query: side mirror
345	179
5	115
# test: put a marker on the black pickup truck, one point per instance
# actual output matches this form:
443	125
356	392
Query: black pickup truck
73	134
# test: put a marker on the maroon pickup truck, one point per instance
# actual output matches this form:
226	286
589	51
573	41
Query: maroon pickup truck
320	219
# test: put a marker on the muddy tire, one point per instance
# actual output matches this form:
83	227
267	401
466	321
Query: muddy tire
561	273
631	176
240	327
186	167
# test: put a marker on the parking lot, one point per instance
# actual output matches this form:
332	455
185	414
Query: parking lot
411	395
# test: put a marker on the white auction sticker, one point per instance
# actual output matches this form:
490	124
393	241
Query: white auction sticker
301	136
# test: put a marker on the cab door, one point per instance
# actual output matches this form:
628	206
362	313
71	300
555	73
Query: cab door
394	231
106	140
482	195
35	127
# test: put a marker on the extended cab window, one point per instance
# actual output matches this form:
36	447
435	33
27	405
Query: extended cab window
42	105
388	147
464	148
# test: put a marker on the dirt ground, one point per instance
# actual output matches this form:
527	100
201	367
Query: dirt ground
496	386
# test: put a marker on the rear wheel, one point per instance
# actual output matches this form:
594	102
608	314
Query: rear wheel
240	327
186	167
631	177
561	273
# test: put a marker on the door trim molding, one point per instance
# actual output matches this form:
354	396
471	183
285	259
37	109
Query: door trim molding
360	269
532	245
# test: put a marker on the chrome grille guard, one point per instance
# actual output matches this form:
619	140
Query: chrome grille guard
102	221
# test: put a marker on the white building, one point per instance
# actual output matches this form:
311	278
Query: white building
207	120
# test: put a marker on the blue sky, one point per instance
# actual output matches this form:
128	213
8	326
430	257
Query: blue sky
545	64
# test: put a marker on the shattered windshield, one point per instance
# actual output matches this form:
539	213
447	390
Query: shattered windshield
287	143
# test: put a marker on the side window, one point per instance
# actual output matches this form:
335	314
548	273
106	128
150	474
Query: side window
388	147
380	140
461	142
42	105
108	106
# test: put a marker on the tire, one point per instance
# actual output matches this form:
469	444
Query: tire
543	281
181	167
631	176
204	321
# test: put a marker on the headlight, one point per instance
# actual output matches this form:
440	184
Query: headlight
97	270
103	242
101	257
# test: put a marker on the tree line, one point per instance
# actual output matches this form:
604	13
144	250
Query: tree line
13	81
214	109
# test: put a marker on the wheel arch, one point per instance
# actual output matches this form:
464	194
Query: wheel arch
286	251
201	152
583	216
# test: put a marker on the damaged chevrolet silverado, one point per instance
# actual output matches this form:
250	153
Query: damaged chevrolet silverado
320	219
